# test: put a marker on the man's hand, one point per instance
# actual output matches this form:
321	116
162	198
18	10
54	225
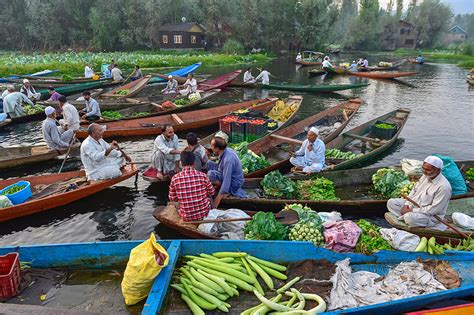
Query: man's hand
114	145
310	147
405	210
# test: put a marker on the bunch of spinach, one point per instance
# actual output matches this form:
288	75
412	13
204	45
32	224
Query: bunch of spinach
251	162
388	182
264	226
278	186
370	239
318	188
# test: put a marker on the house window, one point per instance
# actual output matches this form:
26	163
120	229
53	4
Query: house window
178	39
193	39
165	39
409	42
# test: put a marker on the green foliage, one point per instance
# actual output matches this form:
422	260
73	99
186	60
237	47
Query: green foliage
278	186
390	182
251	162
232	46
468	49
370	240
264	226
319	188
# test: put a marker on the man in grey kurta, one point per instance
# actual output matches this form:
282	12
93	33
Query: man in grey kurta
12	104
166	154
55	137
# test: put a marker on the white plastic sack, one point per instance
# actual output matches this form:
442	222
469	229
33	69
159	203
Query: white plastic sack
226	230
5	202
412	167
330	216
400	240
463	220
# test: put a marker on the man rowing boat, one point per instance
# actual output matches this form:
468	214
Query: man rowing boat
310	158
431	195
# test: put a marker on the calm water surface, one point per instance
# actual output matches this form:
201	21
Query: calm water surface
441	121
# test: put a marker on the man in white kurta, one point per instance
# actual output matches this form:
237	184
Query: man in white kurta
432	194
10	89
88	72
56	138
264	76
29	91
12	104
248	77
311	156
71	118
166	153
190	86
100	159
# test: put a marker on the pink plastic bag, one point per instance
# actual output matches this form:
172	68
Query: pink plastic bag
341	236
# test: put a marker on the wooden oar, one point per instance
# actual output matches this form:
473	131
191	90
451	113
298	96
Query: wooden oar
71	144
286	217
452	227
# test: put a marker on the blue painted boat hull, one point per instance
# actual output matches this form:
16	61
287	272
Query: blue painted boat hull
45	73
107	254
180	73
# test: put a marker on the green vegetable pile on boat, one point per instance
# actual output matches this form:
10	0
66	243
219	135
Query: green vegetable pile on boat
430	246
464	244
181	102
318	188
390	183
264	226
370	240
66	77
13	190
33	109
385	126
110	114
251	162
306	231
276	185
470	173
338	154
123	92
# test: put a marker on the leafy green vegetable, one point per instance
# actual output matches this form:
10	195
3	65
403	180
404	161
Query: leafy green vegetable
264	226
470	174
251	162
370	239
31	110
123	92
111	114
338	154
66	77
181	102
276	185
318	188
306	215
389	182
385	126
140	114
13	190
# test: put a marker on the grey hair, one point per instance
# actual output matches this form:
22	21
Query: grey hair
91	128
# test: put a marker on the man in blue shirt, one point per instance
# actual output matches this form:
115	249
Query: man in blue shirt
92	110
311	156
227	172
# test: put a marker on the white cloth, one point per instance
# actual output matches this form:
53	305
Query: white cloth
92	108
400	240
88	72
162	159
70	117
49	110
298	58
225	230
30	92
5	93
365	63
312	161
117	74
12	104
314	130
248	77
55	137
265	76
96	164
435	161
463	220
190	86
413	219
327	64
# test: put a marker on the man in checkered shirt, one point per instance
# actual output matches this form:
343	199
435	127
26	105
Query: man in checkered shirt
191	189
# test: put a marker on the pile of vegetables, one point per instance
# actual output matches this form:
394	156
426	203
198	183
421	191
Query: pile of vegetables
13	190
370	239
264	226
465	244
181	102
390	183
194	97
110	114
338	154
317	188
66	77
385	126
470	173
281	112
33	109
251	162
430	246
278	186
206	282
123	92
306	231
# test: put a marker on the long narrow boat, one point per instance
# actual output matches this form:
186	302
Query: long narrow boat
185	121
151	109
311	58
330	122
394	66
46	82
106	256
5	122
36	74
220	82
49	191
76	88
131	89
353	185
312	88
180	73
28	118
107	104
11	157
382	75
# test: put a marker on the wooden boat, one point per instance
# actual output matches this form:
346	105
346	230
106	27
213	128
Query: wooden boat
33	75
150	109
5	122
354	185
76	88
185	121
106	104
133	88
312	88
11	157
49	191
394	66
464	205
337	70
316	72
311	58
382	75
47	82
28	118
331	122
183	72
220	82
108	255
180	80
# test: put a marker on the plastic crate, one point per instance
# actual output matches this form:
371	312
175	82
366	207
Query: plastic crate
383	133
9	275
20	196
259	129
237	137
224	125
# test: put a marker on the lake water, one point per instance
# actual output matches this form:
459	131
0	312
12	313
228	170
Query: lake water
441	121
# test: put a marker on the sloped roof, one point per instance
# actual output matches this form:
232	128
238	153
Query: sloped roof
181	27
457	27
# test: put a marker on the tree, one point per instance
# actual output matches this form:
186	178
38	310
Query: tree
366	29
432	20
106	19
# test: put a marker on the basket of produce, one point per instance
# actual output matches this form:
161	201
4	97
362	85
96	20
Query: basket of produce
9	275
224	123
238	130
256	128
18	192
383	130
272	124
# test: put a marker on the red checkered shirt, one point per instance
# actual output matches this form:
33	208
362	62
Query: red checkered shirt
192	190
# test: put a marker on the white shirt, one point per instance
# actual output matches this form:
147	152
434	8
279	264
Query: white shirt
299	58
71	116
265	75
365	63
88	72
313	160
191	84
117	74
92	108
51	135
94	159
431	195
327	64
5	93
248	77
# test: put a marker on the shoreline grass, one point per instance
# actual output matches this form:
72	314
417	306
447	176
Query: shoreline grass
461	60
73	63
